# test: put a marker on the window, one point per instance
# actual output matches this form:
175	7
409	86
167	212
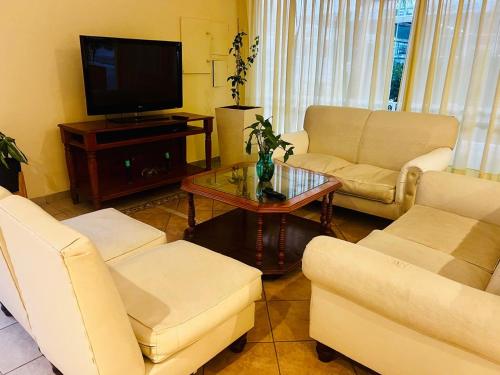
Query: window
404	17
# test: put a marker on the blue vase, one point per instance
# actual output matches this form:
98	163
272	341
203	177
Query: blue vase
265	166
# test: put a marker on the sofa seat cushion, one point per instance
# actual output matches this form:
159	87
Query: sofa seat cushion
177	292
464	238
369	182
322	163
115	234
428	258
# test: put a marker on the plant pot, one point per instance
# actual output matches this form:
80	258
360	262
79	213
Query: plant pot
9	178
265	166
231	124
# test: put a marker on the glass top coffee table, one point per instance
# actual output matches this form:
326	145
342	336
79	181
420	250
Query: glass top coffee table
260	232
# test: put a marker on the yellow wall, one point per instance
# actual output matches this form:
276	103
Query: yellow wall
41	81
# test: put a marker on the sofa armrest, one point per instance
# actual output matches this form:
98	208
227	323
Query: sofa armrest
416	298
300	140
463	195
436	160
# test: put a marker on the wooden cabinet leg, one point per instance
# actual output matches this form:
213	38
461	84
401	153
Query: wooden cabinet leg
260	240
282	240
73	182
191	216
94	179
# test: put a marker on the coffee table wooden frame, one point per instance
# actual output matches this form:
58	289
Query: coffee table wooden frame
324	192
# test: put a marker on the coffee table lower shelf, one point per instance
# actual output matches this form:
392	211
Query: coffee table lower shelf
235	234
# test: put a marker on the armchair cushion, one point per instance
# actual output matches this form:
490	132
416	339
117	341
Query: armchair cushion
154	286
317	162
464	238
428	258
368	181
115	234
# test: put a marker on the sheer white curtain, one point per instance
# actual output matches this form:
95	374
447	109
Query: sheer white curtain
454	68
336	52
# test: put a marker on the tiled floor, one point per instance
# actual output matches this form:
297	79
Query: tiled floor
278	344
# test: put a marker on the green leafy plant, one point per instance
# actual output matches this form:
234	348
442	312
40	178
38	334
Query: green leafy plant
238	79
9	149
267	141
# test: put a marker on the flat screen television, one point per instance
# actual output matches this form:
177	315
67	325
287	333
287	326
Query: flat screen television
131	75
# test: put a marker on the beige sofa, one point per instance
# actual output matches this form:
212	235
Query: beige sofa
422	296
166	309
371	153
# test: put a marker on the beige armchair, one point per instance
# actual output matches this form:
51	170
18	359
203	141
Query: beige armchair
371	152
113	233
162	310
422	296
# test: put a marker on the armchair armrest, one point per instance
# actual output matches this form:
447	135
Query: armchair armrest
300	140
463	195
416	298
436	160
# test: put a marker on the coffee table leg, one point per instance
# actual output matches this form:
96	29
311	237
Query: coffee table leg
260	240
282	240
324	212
329	213
191	214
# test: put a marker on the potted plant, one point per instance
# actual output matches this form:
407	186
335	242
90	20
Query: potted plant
11	158
263	134
234	119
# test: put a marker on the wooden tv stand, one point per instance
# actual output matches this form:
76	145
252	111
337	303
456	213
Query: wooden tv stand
107	160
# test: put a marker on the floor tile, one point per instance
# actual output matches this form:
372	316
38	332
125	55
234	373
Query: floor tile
289	320
261	332
5	320
154	216
201	203
202	215
256	358
223	207
296	358
292	286
311	212
39	366
22	348
51	210
175	228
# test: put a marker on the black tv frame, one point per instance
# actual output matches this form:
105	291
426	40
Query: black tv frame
118	109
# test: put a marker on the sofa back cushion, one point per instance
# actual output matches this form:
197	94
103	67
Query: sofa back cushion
390	139
467	196
74	309
335	130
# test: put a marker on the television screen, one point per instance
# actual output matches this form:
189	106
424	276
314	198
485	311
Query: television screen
131	75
